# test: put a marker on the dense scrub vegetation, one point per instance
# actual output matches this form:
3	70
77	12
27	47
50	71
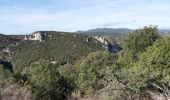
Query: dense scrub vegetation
139	72
6	40
57	47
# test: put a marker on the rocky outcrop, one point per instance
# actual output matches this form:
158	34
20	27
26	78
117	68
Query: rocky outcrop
101	39
113	48
37	36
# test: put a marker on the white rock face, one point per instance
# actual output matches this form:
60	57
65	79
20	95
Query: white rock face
37	36
101	39
34	37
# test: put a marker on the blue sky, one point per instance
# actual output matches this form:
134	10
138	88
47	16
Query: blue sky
26	16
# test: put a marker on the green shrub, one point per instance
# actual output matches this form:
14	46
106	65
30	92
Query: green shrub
95	72
46	82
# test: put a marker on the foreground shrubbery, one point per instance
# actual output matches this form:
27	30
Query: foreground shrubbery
40	81
141	71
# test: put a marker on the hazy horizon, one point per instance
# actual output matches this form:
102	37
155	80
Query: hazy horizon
27	16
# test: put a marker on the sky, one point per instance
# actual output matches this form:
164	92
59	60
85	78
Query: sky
27	16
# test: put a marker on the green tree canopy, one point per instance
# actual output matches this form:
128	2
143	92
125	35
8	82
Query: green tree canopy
140	39
137	42
95	71
151	71
155	62
46	82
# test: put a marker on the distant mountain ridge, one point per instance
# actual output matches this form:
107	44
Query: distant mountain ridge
116	33
164	31
107	30
115	30
97	30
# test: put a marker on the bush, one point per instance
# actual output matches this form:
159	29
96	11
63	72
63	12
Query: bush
139	40
95	72
155	63
46	82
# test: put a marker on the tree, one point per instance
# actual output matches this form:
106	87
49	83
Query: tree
136	43
95	72
155	62
140	39
6	77
47	83
133	70
151	72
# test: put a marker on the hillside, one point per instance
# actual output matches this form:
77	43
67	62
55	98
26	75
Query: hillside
6	40
56	47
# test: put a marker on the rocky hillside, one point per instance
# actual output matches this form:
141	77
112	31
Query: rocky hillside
55	47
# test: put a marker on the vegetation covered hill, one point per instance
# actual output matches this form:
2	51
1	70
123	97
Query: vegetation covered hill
6	40
56	47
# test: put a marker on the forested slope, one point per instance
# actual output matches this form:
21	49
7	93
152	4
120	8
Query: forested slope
57	47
